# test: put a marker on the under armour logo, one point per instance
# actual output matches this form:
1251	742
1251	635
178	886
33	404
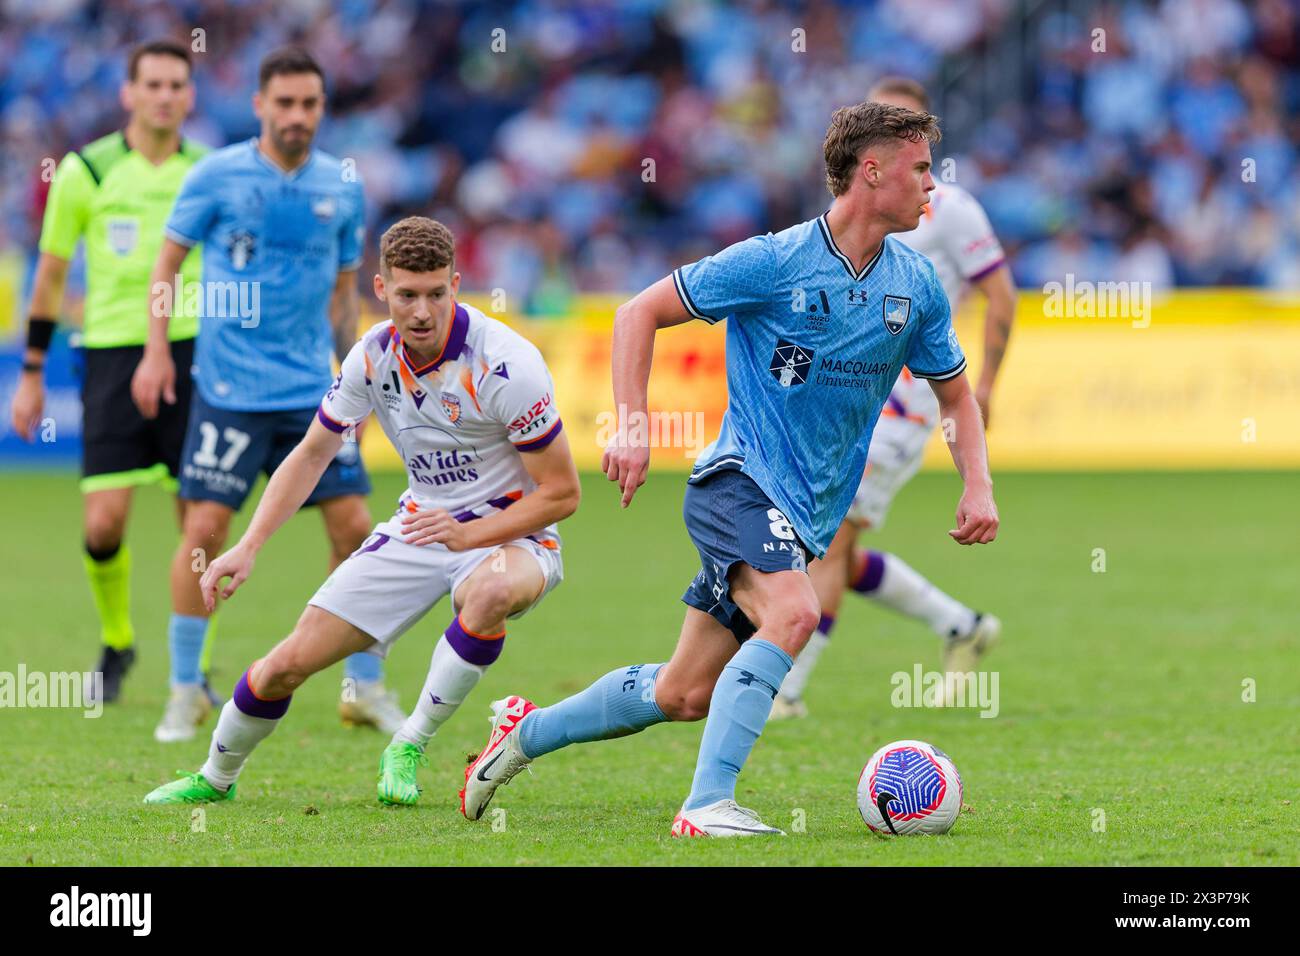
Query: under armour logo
748	680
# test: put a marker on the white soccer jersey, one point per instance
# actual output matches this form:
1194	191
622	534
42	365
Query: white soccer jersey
955	235
458	422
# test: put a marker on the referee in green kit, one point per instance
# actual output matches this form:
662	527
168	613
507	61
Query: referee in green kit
115	195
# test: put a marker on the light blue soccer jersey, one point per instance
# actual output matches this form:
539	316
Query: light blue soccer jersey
273	245
813	348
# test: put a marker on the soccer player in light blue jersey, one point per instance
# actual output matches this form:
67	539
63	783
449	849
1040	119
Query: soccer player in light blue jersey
281	226
821	319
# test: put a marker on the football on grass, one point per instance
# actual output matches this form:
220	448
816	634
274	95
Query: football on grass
909	787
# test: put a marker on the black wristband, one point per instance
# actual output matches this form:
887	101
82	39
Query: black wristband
33	366
40	331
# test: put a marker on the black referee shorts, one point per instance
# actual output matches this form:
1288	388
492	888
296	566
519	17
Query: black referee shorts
120	448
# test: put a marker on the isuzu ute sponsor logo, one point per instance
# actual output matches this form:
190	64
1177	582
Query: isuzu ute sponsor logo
538	411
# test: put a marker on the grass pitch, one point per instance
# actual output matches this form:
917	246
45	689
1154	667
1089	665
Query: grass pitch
1121	694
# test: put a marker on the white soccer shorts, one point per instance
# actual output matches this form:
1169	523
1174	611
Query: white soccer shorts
387	585
897	446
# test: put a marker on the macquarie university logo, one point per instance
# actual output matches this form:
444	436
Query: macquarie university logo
897	309
790	363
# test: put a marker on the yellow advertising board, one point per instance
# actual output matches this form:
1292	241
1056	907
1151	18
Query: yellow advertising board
1202	380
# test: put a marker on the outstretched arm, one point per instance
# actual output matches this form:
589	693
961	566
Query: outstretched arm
285	493
635	325
977	515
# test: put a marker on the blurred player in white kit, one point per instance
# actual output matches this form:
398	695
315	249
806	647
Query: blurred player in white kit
469	405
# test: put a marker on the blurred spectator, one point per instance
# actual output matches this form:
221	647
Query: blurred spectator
609	142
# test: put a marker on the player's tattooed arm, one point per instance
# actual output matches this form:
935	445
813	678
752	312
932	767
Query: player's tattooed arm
635	324
345	309
554	499
977	515
155	376
999	314
286	492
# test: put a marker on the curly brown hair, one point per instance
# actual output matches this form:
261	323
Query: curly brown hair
855	128
417	244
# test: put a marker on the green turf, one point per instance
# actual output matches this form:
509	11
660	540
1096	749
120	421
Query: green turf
1120	691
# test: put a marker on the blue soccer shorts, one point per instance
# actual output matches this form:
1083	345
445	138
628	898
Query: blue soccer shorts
730	520
225	450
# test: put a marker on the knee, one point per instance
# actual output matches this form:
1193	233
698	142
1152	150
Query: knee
280	673
683	703
791	624
488	602
104	532
206	528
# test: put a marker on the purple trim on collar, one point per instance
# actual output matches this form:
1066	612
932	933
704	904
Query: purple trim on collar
459	332
384	336
451	348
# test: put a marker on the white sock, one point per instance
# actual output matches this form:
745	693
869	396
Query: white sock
796	679
904	590
236	735
450	680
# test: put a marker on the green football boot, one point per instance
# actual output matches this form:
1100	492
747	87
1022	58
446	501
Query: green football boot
191	788
397	767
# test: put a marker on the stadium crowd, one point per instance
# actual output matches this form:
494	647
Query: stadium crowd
529	127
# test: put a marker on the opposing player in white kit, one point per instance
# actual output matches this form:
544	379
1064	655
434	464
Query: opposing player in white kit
956	236
469	405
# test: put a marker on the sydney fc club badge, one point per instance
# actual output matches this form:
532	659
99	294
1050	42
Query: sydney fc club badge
897	309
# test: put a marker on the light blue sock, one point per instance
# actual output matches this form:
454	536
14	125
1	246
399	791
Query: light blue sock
741	701
185	640
620	703
364	667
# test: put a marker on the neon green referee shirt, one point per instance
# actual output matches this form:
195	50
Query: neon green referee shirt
118	202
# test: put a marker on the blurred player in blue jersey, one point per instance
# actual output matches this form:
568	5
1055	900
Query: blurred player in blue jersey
282	229
823	317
